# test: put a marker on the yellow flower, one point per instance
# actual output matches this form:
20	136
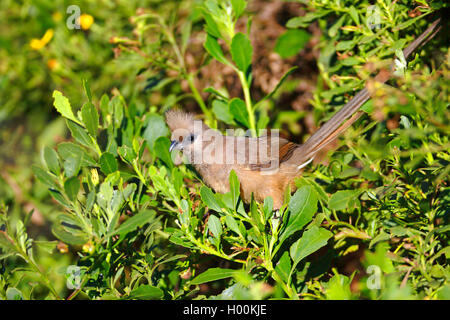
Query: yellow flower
88	247
86	21
94	175
37	44
57	16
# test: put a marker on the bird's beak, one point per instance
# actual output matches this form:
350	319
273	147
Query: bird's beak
173	144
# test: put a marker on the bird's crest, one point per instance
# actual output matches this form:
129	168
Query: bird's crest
178	119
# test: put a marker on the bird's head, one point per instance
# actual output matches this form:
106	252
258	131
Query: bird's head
187	133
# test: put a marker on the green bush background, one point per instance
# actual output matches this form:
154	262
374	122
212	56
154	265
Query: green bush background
379	198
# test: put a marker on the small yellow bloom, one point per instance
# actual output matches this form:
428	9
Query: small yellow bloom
57	16
94	175
88	247
47	36
37	44
86	21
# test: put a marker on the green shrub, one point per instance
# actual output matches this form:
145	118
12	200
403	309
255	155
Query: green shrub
142	228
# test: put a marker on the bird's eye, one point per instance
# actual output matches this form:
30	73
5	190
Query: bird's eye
190	138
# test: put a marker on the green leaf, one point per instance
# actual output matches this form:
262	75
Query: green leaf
72	165
263	121
90	118
105	109
162	145
146	292
47	246
213	48
283	267
13	294
407	23
43	176
136	221
129	191
68	237
239	111
307	19
322	195
241	51
156	127
234	188
354	14
339	288
232	225
222	112
117	105
302	206
213	7
379	258
368	107
238	7
351	61
105	194
127	153
108	163
62	105
268	207
79	134
221	94
213	274
329	94
342	199
177	237
59	197
209	199
71	187
186	31
7	246
291	42
211	26
68	149
51	160
312	240
332	32
185	215
345	45
214	226
87	89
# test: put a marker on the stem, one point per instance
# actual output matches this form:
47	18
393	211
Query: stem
287	289
213	251
188	76
77	291
248	102
87	227
97	148
190	79
47	281
31	262
139	173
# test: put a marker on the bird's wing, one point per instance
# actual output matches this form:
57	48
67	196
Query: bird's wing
269	153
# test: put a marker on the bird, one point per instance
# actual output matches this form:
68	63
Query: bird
266	166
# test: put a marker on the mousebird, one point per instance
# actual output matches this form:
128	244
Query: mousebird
266	165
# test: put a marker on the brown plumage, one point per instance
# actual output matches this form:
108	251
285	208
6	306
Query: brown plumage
266	166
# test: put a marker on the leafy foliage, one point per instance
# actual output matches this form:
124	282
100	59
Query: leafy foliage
129	224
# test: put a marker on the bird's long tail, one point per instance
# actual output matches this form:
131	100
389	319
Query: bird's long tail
349	113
